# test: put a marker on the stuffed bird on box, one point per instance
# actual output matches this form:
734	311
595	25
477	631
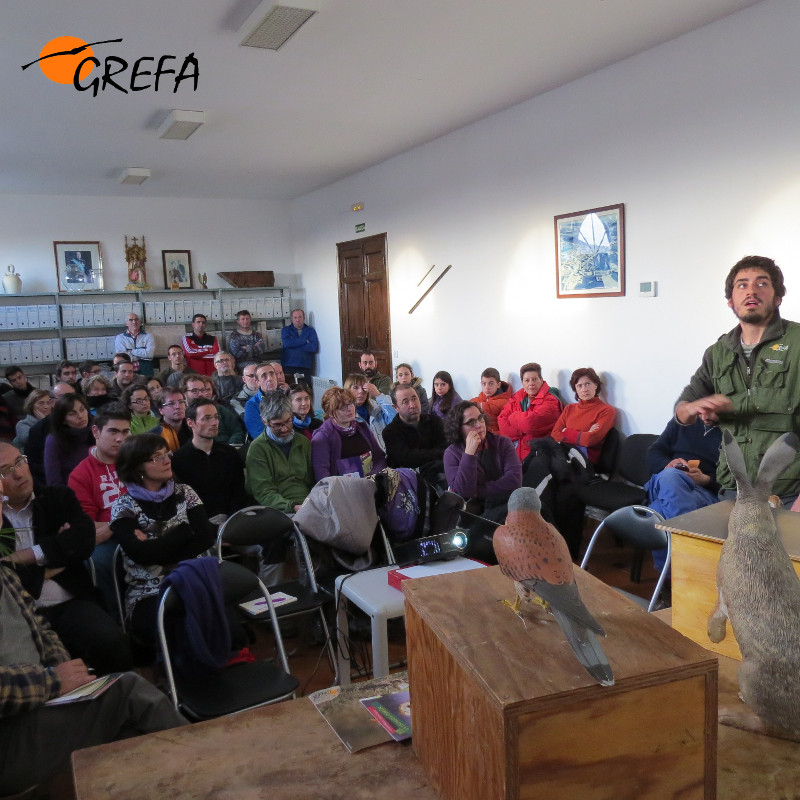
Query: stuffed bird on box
535	556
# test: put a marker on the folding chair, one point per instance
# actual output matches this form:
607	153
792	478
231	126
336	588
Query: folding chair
636	526
236	687
260	525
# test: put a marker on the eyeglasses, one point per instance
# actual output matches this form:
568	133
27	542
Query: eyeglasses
473	423
141	401
162	459
12	468
174	404
280	426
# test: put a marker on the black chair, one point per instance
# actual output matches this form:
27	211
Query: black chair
636	526
625	487
259	525
236	687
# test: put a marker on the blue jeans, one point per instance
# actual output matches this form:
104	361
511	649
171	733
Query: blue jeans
672	492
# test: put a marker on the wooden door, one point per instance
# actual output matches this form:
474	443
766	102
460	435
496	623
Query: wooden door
364	302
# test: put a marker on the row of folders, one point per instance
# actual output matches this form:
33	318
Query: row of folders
48	351
92	315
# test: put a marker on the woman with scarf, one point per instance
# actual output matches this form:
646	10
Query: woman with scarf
372	407
303	419
158	523
343	445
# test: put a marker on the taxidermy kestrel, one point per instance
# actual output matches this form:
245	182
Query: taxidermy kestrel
535	556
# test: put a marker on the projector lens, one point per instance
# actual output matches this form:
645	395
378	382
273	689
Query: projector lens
459	540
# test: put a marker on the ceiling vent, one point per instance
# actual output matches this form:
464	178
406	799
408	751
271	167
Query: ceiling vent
181	124
273	23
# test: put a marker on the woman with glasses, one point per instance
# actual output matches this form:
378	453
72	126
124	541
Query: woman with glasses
69	440
137	400
483	468
158	523
372	407
38	405
344	445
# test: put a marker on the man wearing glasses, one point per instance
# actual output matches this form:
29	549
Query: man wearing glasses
53	536
201	387
279	472
172	408
226	381
248	389
267	382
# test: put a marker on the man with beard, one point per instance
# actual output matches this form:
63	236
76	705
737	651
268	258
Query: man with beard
747	382
368	365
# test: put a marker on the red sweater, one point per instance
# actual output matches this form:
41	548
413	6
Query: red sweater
573	425
96	486
534	423
492	406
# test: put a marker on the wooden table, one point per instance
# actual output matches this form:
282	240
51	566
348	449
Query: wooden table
281	752
696	545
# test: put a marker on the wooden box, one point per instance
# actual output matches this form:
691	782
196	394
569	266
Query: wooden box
697	539
503	711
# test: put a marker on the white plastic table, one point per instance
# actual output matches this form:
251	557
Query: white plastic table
370	591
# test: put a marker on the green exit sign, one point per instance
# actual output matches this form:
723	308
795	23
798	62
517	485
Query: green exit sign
361	227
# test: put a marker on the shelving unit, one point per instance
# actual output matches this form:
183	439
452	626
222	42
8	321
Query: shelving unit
82	325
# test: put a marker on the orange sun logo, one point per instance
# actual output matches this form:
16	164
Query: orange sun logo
60	58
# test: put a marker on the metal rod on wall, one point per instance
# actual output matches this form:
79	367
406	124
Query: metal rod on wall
430	288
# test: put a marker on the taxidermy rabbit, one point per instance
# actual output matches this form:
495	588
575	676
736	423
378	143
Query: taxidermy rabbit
759	592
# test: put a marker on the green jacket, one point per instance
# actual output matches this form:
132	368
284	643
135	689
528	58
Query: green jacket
765	396
276	481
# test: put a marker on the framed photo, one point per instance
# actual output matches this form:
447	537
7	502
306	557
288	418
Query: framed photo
79	266
177	269
590	253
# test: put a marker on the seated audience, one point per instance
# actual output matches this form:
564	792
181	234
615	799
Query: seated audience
226	382
96	389
20	389
267	382
372	407
177	369
197	387
493	398
404	376
444	395
96	486
531	412
154	386
8	422
88	368
158	523
368	365
343	445
212	468
37	740
279	473
54	537
280	378
124	375
67	372
38	405
683	464
136	399
247	389
483	468
414	439
69	439
34	449
303	419
173	430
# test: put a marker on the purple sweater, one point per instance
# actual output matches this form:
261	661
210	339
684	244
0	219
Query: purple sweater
466	476
58	462
326	449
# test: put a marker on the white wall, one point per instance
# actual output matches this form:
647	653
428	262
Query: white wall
699	139
222	235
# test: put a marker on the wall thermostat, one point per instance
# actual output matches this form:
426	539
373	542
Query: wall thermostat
648	289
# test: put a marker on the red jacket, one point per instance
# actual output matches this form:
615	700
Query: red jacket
200	352
522	426
492	406
573	425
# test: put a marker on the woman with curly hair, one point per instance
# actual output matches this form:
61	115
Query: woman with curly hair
484	469
344	445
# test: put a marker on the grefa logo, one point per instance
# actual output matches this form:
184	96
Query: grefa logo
68	59
780	348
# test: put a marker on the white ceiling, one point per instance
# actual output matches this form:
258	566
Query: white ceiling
362	81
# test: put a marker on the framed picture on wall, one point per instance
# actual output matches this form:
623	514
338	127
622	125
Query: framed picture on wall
177	269
590	253
79	266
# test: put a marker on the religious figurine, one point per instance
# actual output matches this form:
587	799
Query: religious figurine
136	256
